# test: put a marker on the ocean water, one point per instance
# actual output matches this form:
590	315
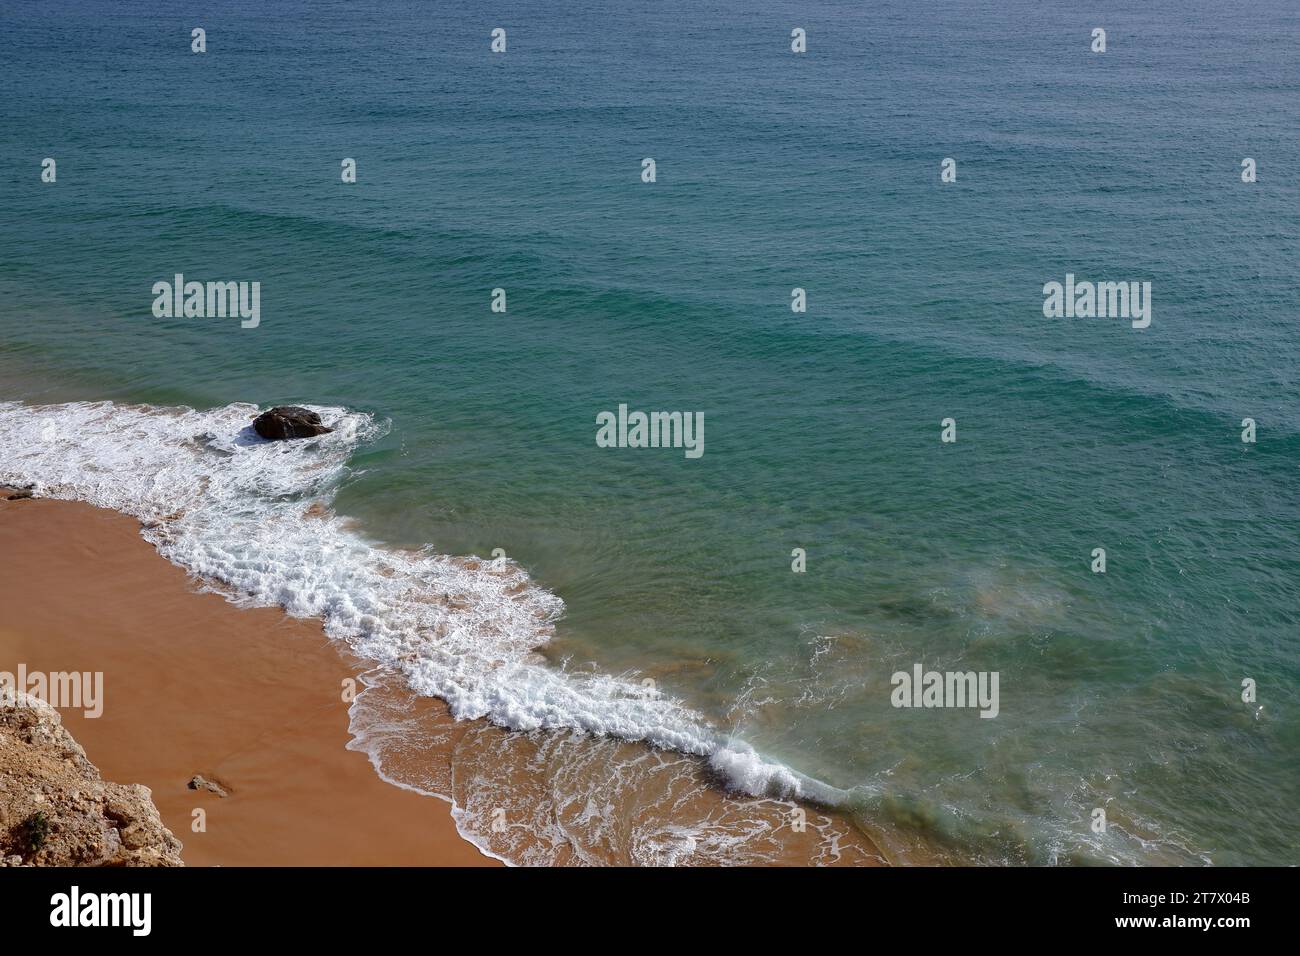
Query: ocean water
462	430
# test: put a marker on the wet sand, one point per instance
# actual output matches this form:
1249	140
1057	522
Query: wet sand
249	698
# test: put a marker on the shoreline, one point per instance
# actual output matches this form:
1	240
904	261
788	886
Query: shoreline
252	700
248	698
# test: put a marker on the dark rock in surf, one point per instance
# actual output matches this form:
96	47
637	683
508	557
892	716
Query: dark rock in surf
289	421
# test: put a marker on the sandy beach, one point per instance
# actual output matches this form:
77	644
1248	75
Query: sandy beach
253	701
249	698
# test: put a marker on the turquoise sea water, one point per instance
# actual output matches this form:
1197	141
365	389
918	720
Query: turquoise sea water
522	171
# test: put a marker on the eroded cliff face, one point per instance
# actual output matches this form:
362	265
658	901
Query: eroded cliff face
55	810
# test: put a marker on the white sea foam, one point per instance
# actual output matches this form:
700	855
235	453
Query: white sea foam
252	516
